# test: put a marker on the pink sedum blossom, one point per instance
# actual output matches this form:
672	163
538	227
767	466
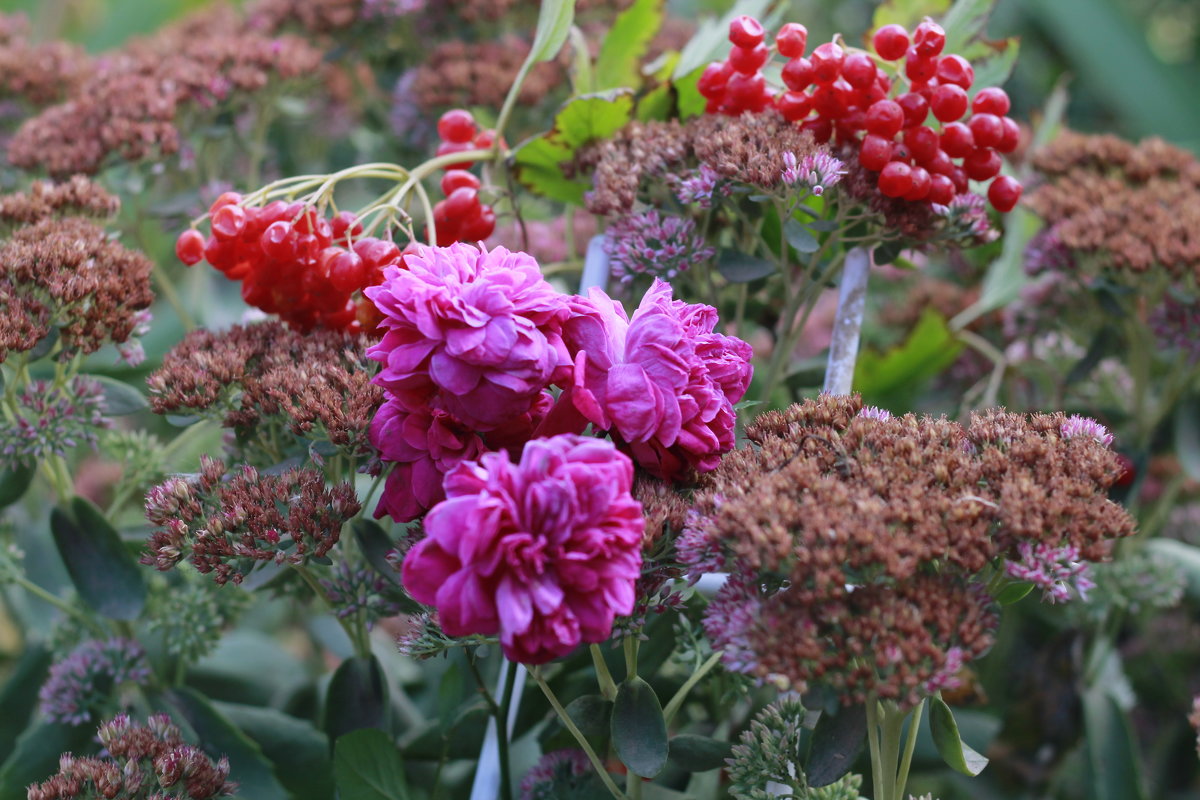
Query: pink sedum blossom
545	552
662	383
475	333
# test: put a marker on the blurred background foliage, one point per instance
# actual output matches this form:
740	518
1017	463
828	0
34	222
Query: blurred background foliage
1132	64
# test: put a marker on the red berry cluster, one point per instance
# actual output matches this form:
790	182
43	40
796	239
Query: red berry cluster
851	94
292	262
461	217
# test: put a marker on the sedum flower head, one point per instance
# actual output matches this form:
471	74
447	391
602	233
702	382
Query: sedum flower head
557	774
656	244
544	551
52	420
83	683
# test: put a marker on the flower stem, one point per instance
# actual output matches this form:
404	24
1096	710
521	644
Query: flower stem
873	745
675	702
63	606
909	746
510	674
608	687
569	724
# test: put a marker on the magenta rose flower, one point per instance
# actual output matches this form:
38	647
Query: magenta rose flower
663	384
545	552
475	333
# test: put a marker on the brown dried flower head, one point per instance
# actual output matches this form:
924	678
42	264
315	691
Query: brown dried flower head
461	73
38	73
317	384
77	196
68	273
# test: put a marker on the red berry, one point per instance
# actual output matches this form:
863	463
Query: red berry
1012	135
885	118
794	106
1004	193
455	147
189	247
478	226
859	70
921	184
229	222
744	91
445	224
987	129
959	178
798	74
713	79
456	125
461	203
982	163
991	100
941	190
827	101
955	69
820	128
345	224
749	60
456	179
939	163
276	241
745	31
890	42
347	271
377	253
918	68
923	142
895	179
827	62
875	153
791	40
225	199
1128	471
916	108
900	152
485	139
948	102
957	140
929	39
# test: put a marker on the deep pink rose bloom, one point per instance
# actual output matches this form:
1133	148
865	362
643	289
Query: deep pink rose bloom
544	552
471	332
662	383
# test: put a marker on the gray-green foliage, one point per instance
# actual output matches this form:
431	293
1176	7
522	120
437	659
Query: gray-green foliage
769	751
191	614
1134	582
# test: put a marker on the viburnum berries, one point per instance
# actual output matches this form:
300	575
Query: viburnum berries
461	217
881	108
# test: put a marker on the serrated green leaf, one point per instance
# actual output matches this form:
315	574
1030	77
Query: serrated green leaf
639	732
959	755
626	43
298	751
800	237
890	378
536	164
908	13
738	267
14	482
554	24
101	567
836	742
357	697
120	398
219	737
367	766
693	753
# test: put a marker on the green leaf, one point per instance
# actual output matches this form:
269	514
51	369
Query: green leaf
375	544
1113	764
357	697
639	732
20	696
592	714
14	481
1184	556
693	753
101	567
218	737
836	742
36	755
1006	276
120	398
626	43
887	252
655	104
536	163
738	267
44	345
891	379
298	751
965	21
1187	436
908	13
993	62
954	751
688	98
583	79
367	766
553	26
1012	592
800	237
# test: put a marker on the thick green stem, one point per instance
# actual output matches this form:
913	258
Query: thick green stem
675	702
570	725
608	687
873	745
510	676
909	746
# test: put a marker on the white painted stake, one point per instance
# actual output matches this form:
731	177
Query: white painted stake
843	348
